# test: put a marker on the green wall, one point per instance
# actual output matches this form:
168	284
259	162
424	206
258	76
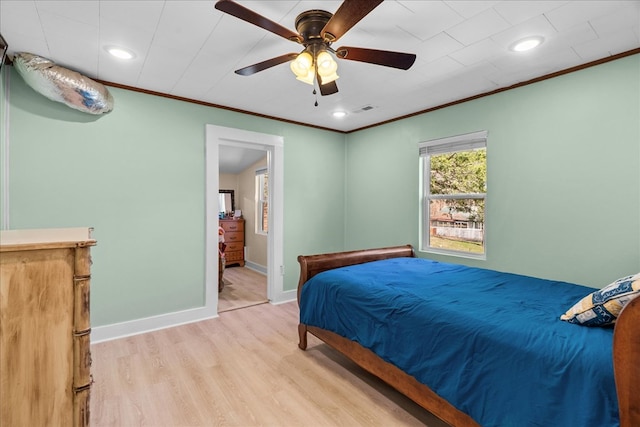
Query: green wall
563	159
563	196
137	175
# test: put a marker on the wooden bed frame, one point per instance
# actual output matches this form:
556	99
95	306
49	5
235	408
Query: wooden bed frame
626	345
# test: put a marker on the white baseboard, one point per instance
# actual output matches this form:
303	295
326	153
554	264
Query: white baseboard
168	320
285	296
148	324
256	267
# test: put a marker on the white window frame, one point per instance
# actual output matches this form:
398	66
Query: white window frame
465	142
260	202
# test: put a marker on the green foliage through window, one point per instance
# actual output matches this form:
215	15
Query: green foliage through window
462	172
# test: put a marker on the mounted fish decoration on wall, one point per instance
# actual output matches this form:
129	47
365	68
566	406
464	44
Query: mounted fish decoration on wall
63	85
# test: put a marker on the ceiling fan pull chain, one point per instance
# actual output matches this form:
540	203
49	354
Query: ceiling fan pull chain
316	95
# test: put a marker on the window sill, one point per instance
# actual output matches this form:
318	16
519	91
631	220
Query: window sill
456	254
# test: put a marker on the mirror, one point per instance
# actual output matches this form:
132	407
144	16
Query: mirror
227	201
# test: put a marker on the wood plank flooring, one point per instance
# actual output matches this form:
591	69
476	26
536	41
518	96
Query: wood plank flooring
241	369
243	288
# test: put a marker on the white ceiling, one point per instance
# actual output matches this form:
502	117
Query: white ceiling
233	159
189	49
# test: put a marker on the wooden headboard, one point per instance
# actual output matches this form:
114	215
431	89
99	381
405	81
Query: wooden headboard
310	265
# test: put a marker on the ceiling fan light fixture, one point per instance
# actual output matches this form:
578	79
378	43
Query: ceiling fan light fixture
307	78
327	67
326	62
302	65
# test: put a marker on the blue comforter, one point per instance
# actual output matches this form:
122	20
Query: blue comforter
490	343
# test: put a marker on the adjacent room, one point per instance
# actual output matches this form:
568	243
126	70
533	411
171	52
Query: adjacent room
244	225
173	169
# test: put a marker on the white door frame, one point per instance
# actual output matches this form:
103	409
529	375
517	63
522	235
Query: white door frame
273	145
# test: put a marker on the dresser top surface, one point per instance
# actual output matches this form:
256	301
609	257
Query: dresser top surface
45	238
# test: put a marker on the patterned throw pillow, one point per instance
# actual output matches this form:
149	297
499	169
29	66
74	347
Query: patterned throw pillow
603	306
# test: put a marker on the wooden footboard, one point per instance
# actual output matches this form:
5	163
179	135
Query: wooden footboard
395	377
626	363
626	346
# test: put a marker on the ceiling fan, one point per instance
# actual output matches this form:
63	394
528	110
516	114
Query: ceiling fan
317	30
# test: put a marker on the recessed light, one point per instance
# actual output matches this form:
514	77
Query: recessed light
339	114
120	52
527	43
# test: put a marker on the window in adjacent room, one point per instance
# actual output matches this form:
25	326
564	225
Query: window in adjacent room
454	187
262	201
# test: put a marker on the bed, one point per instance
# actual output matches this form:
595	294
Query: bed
478	366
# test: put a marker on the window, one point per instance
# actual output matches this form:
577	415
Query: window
262	201
454	186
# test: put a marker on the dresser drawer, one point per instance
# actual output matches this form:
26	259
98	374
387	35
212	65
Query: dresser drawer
233	256
234	246
230	226
235	236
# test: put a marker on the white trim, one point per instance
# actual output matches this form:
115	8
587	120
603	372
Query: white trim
259	208
465	142
273	145
149	324
4	141
457	196
480	135
256	267
285	296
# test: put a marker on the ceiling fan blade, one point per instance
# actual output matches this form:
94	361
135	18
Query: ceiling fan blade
328	88
400	60
241	12
260	66
348	14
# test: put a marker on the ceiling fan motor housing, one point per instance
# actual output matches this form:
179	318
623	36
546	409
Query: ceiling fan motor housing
310	24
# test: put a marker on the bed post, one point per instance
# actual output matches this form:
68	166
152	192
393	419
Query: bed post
626	347
302	335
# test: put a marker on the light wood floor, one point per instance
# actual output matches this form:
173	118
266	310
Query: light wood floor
241	369
243	288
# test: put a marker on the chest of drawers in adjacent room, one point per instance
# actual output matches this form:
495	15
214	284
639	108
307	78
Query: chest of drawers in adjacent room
234	238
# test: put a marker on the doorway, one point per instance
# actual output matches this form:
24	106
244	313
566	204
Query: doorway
243	171
272	145
243	287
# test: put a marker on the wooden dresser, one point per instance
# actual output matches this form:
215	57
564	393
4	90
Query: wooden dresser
45	358
234	238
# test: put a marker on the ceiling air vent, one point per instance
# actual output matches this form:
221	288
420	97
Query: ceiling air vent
365	108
